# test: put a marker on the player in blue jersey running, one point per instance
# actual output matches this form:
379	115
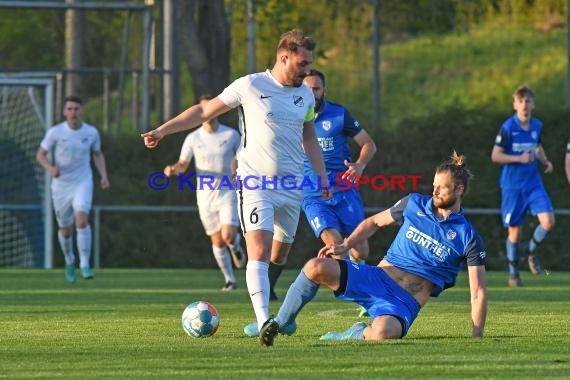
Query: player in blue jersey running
434	239
518	148
336	218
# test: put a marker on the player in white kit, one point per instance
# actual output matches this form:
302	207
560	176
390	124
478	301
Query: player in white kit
276	123
213	147
71	144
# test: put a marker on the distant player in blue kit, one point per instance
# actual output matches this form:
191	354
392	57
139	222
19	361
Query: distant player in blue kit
518	148
336	218
433	241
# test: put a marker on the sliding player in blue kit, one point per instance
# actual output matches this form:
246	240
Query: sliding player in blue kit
434	239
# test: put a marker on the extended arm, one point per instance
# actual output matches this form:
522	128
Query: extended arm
179	167
364	230
99	161
191	118
478	289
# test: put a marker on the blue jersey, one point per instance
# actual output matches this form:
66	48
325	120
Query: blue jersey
333	125
432	248
515	141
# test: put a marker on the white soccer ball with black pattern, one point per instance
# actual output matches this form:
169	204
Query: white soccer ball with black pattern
200	319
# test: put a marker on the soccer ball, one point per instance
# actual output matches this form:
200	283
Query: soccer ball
200	319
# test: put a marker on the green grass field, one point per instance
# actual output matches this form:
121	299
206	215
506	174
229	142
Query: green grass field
125	324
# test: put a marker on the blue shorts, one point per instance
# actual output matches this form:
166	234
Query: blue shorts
516	202
343	212
370	287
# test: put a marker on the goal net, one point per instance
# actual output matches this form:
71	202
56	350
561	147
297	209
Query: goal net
26	107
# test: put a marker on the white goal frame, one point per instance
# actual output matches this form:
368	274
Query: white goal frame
46	119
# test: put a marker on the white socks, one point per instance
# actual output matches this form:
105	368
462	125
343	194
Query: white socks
84	246
224	261
257	278
66	245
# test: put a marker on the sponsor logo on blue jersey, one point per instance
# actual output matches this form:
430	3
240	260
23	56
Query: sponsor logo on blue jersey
437	249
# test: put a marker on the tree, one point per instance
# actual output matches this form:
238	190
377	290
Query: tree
203	31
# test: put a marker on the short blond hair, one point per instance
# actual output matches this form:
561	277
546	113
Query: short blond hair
523	91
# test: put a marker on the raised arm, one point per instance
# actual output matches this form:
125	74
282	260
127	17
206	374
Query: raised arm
191	118
478	289
367	151
179	166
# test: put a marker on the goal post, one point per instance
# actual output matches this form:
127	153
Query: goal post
26	219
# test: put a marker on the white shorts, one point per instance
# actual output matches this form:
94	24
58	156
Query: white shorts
70	198
271	210
217	208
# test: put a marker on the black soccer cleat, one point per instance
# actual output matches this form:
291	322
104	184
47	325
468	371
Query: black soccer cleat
268	332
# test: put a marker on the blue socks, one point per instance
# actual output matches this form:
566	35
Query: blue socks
513	257
299	294
539	235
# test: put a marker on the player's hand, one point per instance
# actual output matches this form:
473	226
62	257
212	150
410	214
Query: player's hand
169	170
354	170
152	138
332	250
325	188
548	167
525	158
105	184
327	194
54	171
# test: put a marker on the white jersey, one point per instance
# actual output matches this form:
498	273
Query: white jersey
71	149
271	123
213	152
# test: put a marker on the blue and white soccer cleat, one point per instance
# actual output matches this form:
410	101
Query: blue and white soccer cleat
355	331
86	273
70	273
251	330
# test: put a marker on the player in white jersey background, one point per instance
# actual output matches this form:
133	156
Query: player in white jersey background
213	147
276	123
72	143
